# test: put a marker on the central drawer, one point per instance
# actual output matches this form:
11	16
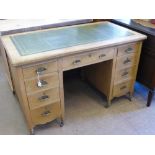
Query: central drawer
44	98
87	58
45	114
48	81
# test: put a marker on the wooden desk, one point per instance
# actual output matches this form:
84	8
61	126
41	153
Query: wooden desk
36	61
146	69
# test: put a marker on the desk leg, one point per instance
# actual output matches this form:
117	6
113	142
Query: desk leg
32	131
61	120
130	96
150	97
108	103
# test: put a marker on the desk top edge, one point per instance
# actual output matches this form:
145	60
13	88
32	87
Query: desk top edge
17	60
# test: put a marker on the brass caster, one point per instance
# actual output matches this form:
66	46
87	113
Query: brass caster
107	105
130	97
60	122
13	92
32	132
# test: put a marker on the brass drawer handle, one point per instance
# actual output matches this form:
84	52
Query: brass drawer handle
129	50
127	61
76	62
43	98
45	113
125	73
102	55
41	83
123	87
40	70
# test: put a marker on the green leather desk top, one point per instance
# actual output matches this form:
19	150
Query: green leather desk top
53	39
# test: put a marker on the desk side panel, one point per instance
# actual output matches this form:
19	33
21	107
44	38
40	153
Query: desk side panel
18	80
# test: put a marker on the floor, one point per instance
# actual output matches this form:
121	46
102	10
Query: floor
85	113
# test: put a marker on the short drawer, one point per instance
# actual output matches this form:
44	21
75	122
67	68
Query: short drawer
127	49
45	114
44	98
87	58
41	69
105	54
77	60
126	73
122	89
125	61
48	81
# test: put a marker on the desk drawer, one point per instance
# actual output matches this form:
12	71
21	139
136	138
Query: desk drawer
44	98
125	61
105	54
42	69
126	73
122	89
127	49
48	81
78	60
45	114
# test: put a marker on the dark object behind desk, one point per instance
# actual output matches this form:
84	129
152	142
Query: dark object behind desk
146	69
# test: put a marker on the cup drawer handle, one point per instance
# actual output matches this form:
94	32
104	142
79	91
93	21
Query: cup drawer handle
40	70
125	73
43	98
41	83
102	55
127	61
123	87
46	113
129	50
76	62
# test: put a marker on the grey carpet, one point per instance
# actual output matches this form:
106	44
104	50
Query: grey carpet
85	113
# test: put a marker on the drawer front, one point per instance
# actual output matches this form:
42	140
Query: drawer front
105	54
45	114
122	89
44	98
126	73
42	69
125	61
127	49
78	60
50	81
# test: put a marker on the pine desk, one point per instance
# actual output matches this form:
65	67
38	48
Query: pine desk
35	62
